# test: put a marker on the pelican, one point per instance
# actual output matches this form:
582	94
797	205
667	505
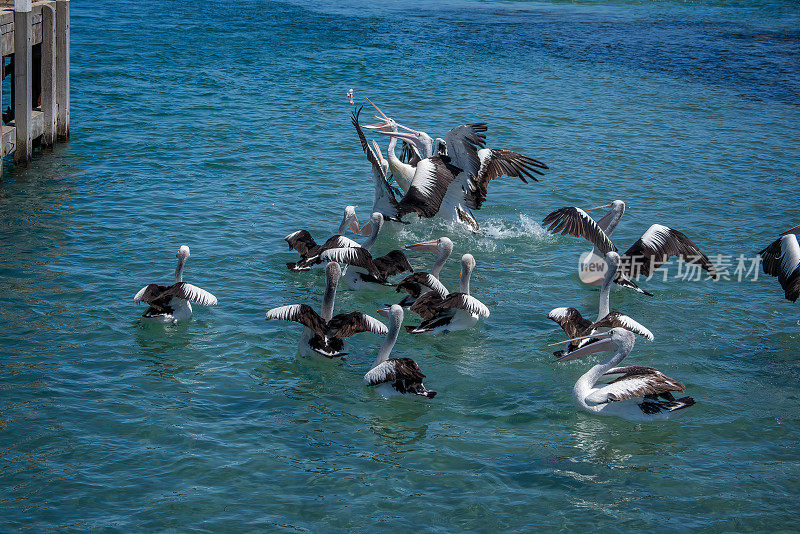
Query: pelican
363	271
648	253
324	333
170	304
420	282
636	393
302	242
444	312
782	259
396	376
607	223
475	166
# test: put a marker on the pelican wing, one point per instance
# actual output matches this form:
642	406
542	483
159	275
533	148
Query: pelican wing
347	324
576	222
570	320
302	242
355	256
428	187
384	201
427	305
339	241
496	163
635	382
462	301
150	293
782	259
463	143
623	281
395	262
409	154
190	292
381	373
656	246
372	157
415	283
299	313
404	374
616	319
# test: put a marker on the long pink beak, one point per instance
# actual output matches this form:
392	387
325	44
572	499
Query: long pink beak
795	230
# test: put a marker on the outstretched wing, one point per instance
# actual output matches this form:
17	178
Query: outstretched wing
190	292
635	382
347	324
150	293
656	246
463	143
395	262
381	373
415	283
355	256
302	242
462	301
619	320
576	222
493	164
428	187
782	259
570	320
299	313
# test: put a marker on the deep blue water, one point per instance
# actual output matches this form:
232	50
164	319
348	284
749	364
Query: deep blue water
224	126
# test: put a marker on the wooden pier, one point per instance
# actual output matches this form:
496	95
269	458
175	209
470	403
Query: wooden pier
34	37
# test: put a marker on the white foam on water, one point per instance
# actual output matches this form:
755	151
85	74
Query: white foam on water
499	229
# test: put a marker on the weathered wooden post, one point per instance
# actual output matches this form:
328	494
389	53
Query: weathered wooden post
62	68
22	80
49	106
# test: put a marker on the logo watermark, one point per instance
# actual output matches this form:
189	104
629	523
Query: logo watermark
592	268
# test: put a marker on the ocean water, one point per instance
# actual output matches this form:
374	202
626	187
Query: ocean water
225	126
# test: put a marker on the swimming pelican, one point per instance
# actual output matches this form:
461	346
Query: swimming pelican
782	259
170	304
475	166
420	282
325	333
364	272
396	376
444	312
302	242
648	253
636	393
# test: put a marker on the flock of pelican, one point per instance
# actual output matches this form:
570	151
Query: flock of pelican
447	178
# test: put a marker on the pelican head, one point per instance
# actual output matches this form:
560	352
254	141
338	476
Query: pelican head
612	340
795	230
437	246
349	220
617	205
183	253
467	263
373	225
333	272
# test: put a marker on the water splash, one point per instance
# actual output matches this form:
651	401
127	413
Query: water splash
500	229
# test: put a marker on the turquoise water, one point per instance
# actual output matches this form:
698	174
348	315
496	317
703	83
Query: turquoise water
224	126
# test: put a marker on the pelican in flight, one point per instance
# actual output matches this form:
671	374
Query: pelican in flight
648	253
396	376
635	393
363	271
170	304
325	333
782	259
309	250
444	312
420	282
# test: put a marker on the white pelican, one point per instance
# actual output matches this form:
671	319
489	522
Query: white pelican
420	282
324	333
782	259
170	304
445	312
635	393
475	166
396	376
302	242
364	272
648	253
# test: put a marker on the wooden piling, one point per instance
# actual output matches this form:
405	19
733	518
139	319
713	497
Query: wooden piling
49	104
23	18
62	68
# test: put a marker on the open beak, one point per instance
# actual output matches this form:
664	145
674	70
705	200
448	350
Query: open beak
795	230
365	230
425	246
600	207
354	225
383	312
383	126
602	343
